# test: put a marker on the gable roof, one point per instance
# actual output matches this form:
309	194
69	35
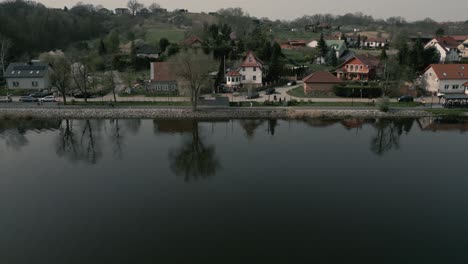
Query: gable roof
192	40
322	77
233	73
367	59
338	44
450	71
251	60
447	42
460	38
162	72
27	70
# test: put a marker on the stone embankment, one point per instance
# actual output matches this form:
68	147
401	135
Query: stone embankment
184	113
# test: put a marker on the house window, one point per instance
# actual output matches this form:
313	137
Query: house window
254	78
15	84
243	68
447	87
243	77
35	84
455	86
255	68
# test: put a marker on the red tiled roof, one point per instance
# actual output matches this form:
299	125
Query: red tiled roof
450	71
367	59
297	42
322	77
162	72
460	38
192	40
252	61
447	42
233	73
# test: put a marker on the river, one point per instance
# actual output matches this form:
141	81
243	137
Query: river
234	191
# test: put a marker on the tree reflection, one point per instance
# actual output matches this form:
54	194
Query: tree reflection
194	159
116	138
388	134
14	131
80	142
272	124
250	126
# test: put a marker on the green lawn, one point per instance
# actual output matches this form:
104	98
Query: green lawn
300	34
299	92
173	34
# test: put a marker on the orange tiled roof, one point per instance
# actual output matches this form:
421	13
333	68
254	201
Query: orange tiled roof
450	71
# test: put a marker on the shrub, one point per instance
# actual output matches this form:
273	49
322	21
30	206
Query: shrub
292	102
383	104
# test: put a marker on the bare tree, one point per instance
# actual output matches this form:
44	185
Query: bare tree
5	45
61	75
193	68
82	74
155	7
134	6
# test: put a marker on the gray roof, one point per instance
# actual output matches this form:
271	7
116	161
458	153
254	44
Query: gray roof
26	70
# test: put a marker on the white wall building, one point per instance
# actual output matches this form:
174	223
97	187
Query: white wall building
446	78
447	47
29	76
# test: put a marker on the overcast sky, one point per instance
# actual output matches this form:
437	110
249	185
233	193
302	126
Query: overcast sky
447	10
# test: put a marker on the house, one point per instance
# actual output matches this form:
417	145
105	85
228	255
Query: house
338	46
193	42
374	43
249	73
233	80
294	44
313	43
162	79
146	51
463	48
446	78
460	39
359	67
318	27
33	75
122	11
320	81
447	47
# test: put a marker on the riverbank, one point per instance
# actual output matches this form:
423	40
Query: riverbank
213	113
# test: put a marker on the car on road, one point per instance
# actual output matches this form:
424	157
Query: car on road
83	95
270	91
38	95
292	83
5	99
28	99
48	99
406	99
253	95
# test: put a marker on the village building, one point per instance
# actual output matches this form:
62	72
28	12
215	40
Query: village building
337	46
162	79
247	74
193	42
447	47
463	48
146	51
122	11
446	78
233	80
322	81
359	68
33	75
374	43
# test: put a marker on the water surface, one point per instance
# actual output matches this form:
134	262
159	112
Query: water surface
237	191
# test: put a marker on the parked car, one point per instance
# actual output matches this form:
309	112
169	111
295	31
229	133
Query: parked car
270	91
253	95
292	83
82	95
48	99
28	99
6	99
38	95
406	99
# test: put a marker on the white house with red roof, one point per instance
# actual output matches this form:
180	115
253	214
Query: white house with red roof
250	73
446	78
447	48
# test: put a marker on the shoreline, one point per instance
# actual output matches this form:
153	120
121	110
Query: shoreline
206	113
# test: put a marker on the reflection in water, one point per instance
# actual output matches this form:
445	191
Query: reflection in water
79	140
388	134
272	124
250	126
116	138
13	132
194	159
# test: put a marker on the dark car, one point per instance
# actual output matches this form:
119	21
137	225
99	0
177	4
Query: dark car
292	83
38	95
82	95
28	99
270	91
406	99
253	95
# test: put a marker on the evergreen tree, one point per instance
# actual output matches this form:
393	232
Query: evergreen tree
266	52
163	44
333	60
358	42
322	45
133	56
113	42
440	32
102	48
403	54
416	58
383	54
276	64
